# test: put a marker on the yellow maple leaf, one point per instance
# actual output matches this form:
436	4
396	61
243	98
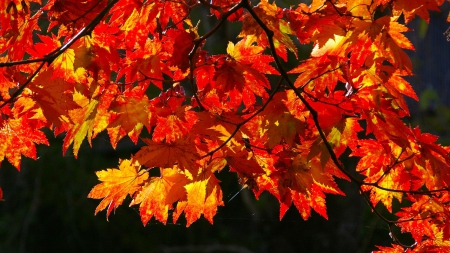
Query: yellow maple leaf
63	64
83	119
203	196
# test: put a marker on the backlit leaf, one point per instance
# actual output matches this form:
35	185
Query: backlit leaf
159	193
117	184
20	133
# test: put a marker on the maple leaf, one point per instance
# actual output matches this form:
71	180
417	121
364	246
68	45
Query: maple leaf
219	129
91	117
361	8
304	202
145	61
174	126
180	42
54	96
435	156
415	7
172	11
117	184
394	249
204	195
299	181
172	120
317	74
48	45
94	57
63	64
137	24
165	155
159	193
379	166
8	79
20	133
83	120
391	180
74	13
310	26
397	85
244	163
246	53
278	123
390	40
415	217
129	114
242	77
18	35
270	15
372	153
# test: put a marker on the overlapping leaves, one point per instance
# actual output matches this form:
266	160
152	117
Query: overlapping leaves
97	65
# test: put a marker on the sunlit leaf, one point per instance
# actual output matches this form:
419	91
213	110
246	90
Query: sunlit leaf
117	184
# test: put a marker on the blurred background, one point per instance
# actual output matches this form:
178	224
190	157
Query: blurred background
46	208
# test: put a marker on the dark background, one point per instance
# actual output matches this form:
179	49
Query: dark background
46	208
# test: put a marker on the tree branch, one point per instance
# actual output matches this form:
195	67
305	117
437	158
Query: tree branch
198	42
314	115
49	58
238	126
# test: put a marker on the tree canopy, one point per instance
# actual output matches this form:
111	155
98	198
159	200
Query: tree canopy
142	70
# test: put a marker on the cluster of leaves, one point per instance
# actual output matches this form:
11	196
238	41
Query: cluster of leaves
281	131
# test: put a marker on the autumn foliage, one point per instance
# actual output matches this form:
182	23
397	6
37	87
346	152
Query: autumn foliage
91	65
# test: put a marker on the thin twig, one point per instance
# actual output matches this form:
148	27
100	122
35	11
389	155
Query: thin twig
22	87
284	74
314	114
239	125
198	42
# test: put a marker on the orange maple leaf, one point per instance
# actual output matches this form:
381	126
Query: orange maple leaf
410	8
129	114
117	184
174	126
91	117
171	119
166	155
20	133
55	97
16	31
159	193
